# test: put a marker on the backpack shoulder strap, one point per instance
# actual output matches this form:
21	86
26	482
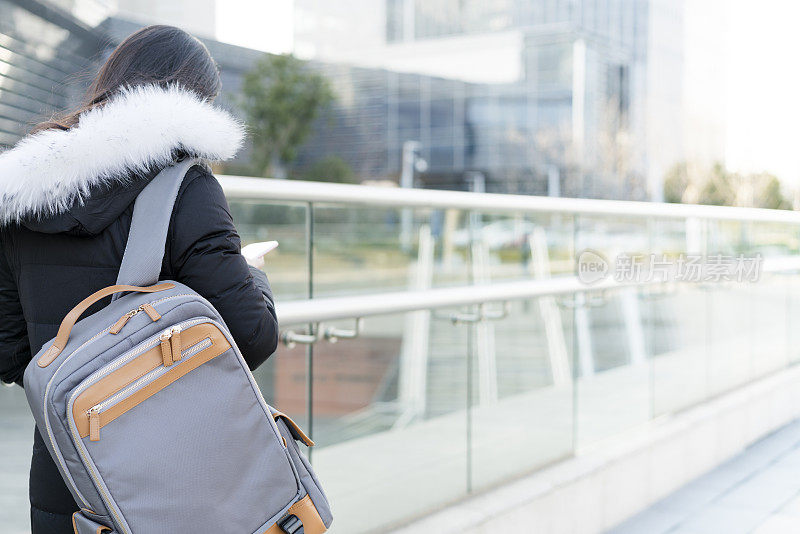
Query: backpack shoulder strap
144	251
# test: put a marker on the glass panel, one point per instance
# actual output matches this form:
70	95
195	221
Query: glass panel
502	244
730	313
521	364
364	250
677	330
768	323
777	244
286	266
283	380
390	419
521	391
676	319
613	388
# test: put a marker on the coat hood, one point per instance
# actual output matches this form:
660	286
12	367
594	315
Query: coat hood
53	178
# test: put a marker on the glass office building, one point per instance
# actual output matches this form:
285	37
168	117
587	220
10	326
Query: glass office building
523	92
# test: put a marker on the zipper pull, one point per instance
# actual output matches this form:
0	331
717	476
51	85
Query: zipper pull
166	348
175	341
94	425
150	311
122	321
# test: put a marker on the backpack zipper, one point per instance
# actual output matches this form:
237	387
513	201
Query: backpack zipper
122	321
125	358
94	412
170	341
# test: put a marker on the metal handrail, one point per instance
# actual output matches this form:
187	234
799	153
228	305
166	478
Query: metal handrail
332	308
272	190
296	312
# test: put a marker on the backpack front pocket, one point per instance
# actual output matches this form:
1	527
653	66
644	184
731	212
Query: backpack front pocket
175	431
117	388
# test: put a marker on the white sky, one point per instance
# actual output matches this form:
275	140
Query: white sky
763	88
261	24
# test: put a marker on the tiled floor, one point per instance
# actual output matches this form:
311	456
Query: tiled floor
757	492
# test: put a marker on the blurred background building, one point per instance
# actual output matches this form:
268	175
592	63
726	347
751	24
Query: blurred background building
574	91
557	97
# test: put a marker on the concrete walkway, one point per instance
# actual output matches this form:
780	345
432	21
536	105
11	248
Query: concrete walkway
756	492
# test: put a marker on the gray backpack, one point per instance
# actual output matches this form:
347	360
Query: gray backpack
151	414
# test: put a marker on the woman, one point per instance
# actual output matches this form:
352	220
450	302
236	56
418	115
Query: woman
67	197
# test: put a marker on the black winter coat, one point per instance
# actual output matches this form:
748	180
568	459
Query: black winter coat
49	262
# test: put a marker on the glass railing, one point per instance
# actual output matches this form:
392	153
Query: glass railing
431	400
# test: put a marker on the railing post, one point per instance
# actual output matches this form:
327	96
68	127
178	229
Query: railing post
414	352
551	316
311	327
484	333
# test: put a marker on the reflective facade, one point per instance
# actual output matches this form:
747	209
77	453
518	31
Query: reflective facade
518	90
41	63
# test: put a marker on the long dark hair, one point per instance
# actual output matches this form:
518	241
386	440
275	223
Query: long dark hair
155	55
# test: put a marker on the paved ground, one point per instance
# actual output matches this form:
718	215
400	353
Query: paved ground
757	492
16	440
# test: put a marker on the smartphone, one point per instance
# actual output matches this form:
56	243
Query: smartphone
254	252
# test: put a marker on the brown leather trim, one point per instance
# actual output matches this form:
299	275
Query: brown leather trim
138	367
75	313
100	528
294	428
166	352
305	510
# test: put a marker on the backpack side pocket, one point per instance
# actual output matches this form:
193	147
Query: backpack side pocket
292	433
82	523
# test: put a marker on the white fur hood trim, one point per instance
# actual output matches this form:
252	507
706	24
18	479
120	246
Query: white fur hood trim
136	130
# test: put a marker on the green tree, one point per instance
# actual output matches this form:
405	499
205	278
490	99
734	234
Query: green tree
676	183
331	168
767	193
719	189
281	99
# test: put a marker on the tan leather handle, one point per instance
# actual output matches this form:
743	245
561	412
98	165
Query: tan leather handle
75	313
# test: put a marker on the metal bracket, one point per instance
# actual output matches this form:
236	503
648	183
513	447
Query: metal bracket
464	317
290	338
333	334
496	315
477	316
